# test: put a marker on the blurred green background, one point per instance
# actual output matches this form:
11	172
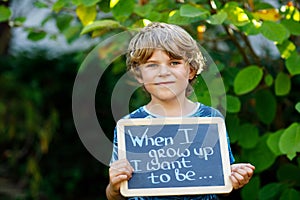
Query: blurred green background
255	45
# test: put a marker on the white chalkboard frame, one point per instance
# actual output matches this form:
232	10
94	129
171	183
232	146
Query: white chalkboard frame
226	188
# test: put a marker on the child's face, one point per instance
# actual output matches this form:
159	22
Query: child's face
165	78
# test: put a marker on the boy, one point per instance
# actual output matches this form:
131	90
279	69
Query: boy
166	59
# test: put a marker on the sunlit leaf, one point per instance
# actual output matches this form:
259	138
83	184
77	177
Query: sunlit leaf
86	14
247	79
113	3
270	14
292	63
274	31
236	15
188	10
273	142
233	104
286	49
289	142
265	106
282	84
5	13
101	24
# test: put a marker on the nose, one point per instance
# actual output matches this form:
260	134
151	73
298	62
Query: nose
164	70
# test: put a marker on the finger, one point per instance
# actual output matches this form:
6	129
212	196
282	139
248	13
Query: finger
121	167
235	182
249	171
242	180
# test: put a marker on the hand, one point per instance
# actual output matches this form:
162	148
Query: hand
119	171
241	174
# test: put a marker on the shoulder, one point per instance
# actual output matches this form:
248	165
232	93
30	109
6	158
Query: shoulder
207	111
138	113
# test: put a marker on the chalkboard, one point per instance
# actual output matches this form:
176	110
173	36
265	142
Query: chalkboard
175	156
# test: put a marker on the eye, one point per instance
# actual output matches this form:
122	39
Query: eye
151	65
174	63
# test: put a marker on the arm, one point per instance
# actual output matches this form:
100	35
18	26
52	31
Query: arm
241	174
119	171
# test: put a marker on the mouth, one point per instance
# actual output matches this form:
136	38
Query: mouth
165	83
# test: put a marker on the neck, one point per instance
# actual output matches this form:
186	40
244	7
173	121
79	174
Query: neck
173	108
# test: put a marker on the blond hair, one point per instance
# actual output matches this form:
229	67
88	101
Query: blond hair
173	39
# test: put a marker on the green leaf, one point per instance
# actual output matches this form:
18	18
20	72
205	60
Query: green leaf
188	10
271	191
233	104
292	25
216	86
282	84
292	63
58	5
88	3
36	35
251	190
274	31
289	142
297	107
63	21
5	13
247	79
265	106
119	11
260	156
99	25
273	142
143	10
269	80
286	49
104	6
40	4
232	122
248	136
290	194
72	33
218	18
154	16
289	173
251	28
176	18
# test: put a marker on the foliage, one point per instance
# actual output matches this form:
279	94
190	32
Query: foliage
261	90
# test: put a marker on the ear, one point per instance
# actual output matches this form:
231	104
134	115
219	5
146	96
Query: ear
193	73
